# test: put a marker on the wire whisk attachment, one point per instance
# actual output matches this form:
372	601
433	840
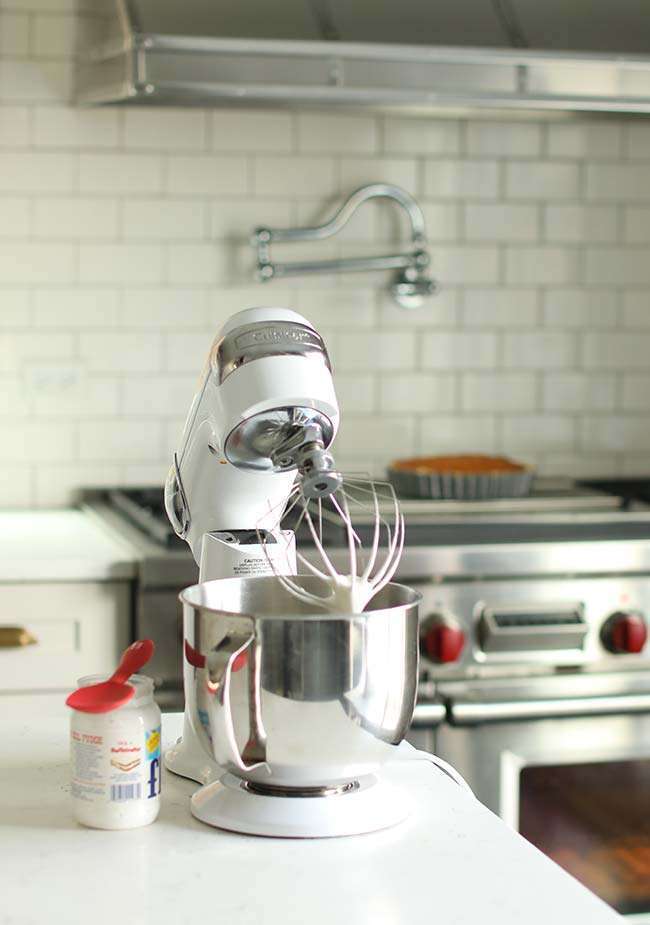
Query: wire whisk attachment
358	507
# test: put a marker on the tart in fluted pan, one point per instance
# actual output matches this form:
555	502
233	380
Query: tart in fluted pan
464	477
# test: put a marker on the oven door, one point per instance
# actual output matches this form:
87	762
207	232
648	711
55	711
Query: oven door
571	774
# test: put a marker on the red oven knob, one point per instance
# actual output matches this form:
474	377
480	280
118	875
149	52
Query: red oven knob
624	632
443	639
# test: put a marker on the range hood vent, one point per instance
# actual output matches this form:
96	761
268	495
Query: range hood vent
416	55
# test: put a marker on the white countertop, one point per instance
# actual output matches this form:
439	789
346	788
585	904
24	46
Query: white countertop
451	863
61	545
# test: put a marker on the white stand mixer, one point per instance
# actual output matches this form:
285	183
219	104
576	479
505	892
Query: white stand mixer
265	414
244	437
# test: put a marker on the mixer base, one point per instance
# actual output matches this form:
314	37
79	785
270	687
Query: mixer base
188	759
228	804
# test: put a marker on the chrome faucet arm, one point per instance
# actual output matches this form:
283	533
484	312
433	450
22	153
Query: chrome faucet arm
410	286
345	213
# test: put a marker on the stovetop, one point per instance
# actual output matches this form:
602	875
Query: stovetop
557	510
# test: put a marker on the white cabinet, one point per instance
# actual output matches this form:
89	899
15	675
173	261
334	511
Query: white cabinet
78	627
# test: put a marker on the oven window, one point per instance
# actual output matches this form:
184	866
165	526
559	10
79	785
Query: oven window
594	821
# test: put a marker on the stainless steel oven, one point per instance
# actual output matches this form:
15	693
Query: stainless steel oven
545	710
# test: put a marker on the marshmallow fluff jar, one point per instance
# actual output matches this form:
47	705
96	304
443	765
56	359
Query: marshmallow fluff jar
115	761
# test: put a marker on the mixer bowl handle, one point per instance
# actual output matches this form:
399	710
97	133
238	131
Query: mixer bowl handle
228	656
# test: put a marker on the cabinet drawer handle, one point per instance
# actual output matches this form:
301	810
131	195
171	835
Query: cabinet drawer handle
16	637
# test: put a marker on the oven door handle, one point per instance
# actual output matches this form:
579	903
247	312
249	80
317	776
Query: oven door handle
427	715
471	714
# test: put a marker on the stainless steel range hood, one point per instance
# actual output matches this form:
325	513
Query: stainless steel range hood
419	55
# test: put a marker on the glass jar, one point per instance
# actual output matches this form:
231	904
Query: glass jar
116	761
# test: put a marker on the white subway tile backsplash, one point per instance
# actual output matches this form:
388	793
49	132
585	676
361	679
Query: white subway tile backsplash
387	437
165	129
617	182
638	142
611	266
293	176
613	350
235	219
359	171
30	172
24	81
154	309
127	263
109	352
75	127
16	486
579	392
541	265
537	432
576	465
164	219
504	139
96	397
207	175
539	350
576	224
319	133
500	308
183	348
615	433
464	266
77	308
376	351
636	391
440	311
14	126
417	392
158	396
81	218
459	350
14	33
251	130
120	173
340	308
584	140
636	309
454	434
15	217
195	264
452	179
20	347
580	308
539	180
421	136
37	264
356	392
503	222
38	439
502	392
128	441
15	308
636	225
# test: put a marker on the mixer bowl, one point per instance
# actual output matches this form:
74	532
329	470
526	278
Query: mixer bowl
287	698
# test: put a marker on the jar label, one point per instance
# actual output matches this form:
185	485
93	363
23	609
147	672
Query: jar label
116	771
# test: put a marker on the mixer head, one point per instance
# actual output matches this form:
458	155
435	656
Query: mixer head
358	508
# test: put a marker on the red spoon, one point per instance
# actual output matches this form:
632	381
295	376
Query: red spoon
115	692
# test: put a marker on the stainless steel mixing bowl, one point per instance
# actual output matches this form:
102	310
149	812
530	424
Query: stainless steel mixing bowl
285	697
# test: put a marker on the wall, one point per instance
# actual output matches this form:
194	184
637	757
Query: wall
123	244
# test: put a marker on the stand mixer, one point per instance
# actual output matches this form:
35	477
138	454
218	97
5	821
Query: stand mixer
290	712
